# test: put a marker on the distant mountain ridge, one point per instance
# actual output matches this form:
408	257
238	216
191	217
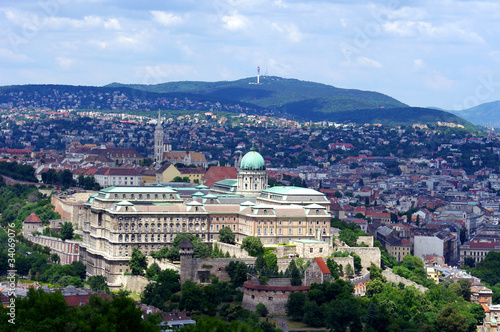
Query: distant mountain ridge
487	114
275	96
279	93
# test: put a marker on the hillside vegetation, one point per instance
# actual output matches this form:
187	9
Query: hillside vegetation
280	93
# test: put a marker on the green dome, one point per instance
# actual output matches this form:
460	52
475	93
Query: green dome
253	161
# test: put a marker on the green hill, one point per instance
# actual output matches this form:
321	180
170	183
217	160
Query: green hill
289	95
275	96
487	114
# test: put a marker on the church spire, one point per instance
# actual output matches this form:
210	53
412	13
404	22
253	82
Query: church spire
159	144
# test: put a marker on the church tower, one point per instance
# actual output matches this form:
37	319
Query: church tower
159	145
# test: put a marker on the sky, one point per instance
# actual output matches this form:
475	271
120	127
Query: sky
424	53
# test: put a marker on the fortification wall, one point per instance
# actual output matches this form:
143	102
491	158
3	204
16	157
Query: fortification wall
368	240
344	261
285	251
273	297
367	255
203	269
163	264
132	283
392	277
234	250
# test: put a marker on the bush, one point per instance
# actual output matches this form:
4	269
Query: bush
261	309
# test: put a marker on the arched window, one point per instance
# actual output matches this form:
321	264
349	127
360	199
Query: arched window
126	237
120	237
119	227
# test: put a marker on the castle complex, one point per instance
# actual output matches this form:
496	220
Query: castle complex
117	219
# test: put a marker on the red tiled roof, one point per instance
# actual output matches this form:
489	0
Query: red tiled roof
483	244
322	265
485	307
219	173
78	300
33	218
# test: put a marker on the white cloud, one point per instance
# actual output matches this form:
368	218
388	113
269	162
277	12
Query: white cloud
290	30
449	32
439	82
164	73
8	56
235	21
65	63
362	62
418	64
166	18
32	21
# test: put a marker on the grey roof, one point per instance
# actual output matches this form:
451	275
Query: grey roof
186	244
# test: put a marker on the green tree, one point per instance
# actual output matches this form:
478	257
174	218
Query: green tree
152	271
465	286
226	235
54	258
261	309
191	297
253	245
313	316
450	319
260	263
159	293
342	314
271	261
98	284
237	271
138	262
295	305
67	231
294	273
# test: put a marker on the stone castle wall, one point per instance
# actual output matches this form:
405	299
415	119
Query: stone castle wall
202	270
392	277
163	264
68	251
368	255
273	297
132	283
284	251
368	240
344	261
234	250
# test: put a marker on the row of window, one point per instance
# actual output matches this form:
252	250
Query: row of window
138	238
290	222
222	218
164	219
280	232
166	227
148	196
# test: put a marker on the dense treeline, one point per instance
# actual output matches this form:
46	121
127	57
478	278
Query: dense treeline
18	201
386	307
41	311
18	172
488	270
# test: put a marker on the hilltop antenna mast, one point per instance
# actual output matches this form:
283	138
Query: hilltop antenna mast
258	75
